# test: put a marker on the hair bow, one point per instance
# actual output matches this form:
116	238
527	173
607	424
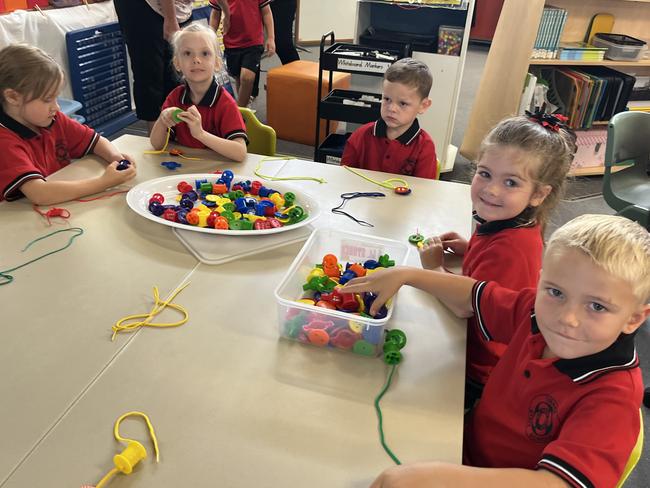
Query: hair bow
553	122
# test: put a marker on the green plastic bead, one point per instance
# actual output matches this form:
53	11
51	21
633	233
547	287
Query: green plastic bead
396	337
392	357
175	115
364	348
415	238
240	225
385	261
289	198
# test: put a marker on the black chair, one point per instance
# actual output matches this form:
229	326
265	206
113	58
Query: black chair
628	144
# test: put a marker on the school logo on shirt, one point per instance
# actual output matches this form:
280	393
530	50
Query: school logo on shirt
408	168
543	420
62	155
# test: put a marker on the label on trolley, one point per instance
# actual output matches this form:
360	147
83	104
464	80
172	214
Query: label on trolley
362	65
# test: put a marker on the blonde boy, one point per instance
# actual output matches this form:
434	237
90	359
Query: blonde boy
561	408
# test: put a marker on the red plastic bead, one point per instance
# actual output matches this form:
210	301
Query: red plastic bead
157	197
184	187
169	214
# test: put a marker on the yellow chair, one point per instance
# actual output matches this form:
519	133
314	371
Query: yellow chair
261	138
634	456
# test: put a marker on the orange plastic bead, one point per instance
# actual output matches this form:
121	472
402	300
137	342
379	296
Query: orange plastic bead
358	269
318	337
192	218
221	223
219	188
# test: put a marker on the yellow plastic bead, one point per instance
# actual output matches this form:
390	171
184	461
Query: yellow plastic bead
212	198
315	273
277	199
355	326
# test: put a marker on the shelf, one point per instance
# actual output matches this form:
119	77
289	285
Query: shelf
416	4
604	62
334	106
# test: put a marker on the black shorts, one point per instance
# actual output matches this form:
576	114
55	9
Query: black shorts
243	57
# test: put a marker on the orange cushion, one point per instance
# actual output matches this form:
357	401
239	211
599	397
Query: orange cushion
291	100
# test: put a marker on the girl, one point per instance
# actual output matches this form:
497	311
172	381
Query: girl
38	140
520	174
209	117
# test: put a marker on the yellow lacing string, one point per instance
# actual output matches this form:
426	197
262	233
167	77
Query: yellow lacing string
283	178
157	308
134	451
385	184
177	152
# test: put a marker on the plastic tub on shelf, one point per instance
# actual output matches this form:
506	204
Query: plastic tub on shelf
345	331
619	46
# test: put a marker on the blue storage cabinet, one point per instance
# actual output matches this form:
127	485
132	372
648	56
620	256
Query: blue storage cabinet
100	78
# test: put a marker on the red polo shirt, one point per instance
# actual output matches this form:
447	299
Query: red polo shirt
27	155
578	418
246	27
508	252
219	114
411	154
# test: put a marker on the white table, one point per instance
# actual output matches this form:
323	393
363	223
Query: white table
232	405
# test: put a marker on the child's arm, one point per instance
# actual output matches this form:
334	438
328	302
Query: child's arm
267	20
215	20
234	149
433	474
43	192
452	290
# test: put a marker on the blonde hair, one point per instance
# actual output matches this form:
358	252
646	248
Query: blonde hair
197	28
619	246
412	73
552	151
28	70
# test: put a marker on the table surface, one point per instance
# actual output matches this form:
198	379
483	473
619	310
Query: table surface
231	402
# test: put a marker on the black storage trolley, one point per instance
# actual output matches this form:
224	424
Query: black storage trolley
348	105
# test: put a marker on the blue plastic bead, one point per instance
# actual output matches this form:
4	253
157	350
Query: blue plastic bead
171	165
192	195
371	264
187	204
123	164
156	208
372	334
181	216
197	183
347	276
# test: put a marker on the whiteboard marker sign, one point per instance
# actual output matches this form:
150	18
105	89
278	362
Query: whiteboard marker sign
362	65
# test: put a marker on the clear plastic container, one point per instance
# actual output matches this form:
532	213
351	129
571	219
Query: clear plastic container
345	331
450	40
619	46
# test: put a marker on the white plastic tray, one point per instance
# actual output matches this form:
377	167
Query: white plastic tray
213	249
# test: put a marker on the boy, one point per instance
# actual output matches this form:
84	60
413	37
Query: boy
395	143
561	408
244	41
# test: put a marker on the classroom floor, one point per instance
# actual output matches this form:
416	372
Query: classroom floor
583	196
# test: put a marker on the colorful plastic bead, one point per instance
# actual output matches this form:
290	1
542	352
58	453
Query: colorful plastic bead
123	164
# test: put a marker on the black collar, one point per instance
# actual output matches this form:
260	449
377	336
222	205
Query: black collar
524	219
15	126
408	137
209	99
620	355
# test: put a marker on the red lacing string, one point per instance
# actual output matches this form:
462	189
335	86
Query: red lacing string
52	212
64	213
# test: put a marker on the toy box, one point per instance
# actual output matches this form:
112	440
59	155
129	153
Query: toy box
360	334
619	46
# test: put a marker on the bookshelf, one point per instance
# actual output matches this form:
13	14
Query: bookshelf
509	58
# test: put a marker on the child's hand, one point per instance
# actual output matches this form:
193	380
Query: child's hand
269	47
454	242
113	177
431	255
166	117
192	118
409	475
384	283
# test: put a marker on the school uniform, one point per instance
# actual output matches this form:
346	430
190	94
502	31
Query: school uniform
244	41
412	154
219	115
508	252
28	155
578	418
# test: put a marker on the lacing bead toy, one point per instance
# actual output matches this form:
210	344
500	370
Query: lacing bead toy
224	205
323	289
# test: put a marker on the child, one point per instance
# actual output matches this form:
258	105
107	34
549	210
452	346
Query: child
520	175
561	408
244	41
395	143
211	117
38	140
